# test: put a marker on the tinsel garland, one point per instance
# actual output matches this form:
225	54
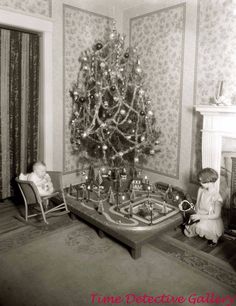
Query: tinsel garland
112	117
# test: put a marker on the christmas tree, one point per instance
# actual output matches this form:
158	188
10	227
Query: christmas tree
112	119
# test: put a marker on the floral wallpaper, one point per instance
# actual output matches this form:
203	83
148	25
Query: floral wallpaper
39	7
215	60
81	30
159	39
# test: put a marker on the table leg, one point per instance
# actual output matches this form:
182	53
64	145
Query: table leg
101	234
73	216
136	252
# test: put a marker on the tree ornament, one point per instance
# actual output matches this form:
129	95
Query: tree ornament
106	104
84	135
106	131
136	159
104	147
152	152
75	94
142	113
126	55
113	88
102	65
141	92
150	113
98	46
112	35
85	68
113	74
138	70
123	111
82	99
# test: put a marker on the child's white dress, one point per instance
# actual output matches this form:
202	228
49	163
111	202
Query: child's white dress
210	229
44	184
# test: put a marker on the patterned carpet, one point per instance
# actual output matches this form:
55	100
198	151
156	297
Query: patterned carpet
217	263
15	232
66	266
194	254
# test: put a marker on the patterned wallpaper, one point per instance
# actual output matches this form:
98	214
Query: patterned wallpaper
81	30
215	60
39	7
159	39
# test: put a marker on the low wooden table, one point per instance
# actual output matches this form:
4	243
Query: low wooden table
134	238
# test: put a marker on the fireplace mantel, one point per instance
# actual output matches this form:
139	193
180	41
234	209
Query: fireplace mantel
218	122
218	119
216	110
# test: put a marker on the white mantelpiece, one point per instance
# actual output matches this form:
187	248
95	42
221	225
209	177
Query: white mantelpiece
218	122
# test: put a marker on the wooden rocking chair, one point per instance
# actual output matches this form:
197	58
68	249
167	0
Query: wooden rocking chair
32	198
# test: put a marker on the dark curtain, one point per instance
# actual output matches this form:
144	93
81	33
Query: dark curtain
19	107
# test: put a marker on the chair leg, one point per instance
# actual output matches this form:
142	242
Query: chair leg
26	212
43	214
64	200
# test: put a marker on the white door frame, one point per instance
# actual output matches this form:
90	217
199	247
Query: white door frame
45	28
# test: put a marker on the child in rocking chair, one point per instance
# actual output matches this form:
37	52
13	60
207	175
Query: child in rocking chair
207	221
41	178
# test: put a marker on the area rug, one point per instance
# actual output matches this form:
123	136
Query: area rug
73	266
25	232
202	262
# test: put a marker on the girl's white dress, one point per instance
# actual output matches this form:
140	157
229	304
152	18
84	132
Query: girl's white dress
206	204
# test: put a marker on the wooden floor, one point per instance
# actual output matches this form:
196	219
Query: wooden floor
9	217
225	249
